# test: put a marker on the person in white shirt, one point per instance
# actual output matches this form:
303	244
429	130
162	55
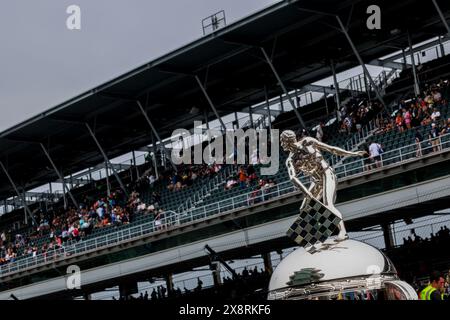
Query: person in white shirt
435	115
375	152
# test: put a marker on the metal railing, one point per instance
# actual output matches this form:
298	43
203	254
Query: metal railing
174	220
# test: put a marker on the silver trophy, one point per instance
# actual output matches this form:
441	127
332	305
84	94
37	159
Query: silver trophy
339	269
318	213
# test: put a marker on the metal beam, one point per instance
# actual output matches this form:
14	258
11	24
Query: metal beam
387	64
418	48
413	62
280	82
211	104
22	196
122	186
336	87
155	133
441	15
361	62
61	178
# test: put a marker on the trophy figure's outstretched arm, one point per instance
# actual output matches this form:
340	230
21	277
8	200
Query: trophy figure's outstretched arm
295	180
336	150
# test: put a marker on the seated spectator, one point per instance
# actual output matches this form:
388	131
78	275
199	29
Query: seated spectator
231	182
436	115
446	129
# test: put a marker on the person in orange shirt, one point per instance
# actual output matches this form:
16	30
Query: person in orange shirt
242	177
399	122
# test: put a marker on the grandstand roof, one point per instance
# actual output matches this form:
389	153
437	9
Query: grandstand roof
232	68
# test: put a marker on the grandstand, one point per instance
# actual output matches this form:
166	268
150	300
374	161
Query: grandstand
148	221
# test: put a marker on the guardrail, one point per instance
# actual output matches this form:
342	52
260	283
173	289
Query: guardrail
173	220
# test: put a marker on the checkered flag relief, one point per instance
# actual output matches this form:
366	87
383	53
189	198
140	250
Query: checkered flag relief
315	224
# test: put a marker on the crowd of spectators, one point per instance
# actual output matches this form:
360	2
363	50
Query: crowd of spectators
357	113
415	112
55	229
246	282
187	174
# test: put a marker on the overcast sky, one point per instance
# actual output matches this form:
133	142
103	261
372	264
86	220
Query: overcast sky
42	63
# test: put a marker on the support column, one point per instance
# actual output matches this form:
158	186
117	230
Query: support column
300	119
169	283
388	235
405	64
282	104
361	62
108	187
215	267
441	46
416	80
122	186
155	157
236	119
250	113
367	87
22	196
326	101
266	94
65	188
336	87
267	263
441	16
156	134
134	165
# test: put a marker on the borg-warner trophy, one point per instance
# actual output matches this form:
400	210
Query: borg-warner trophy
328	269
305	156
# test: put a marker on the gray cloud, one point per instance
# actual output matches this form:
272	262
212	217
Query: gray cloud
42	63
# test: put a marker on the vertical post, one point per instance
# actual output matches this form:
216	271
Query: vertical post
387	235
154	158
367	87
134	165
236	119
108	186
411	52
250	113
280	82
441	46
215	266
405	65
267	263
60	176
266	94
169	283
336	87
282	105
11	181
326	100
122	186
361	62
